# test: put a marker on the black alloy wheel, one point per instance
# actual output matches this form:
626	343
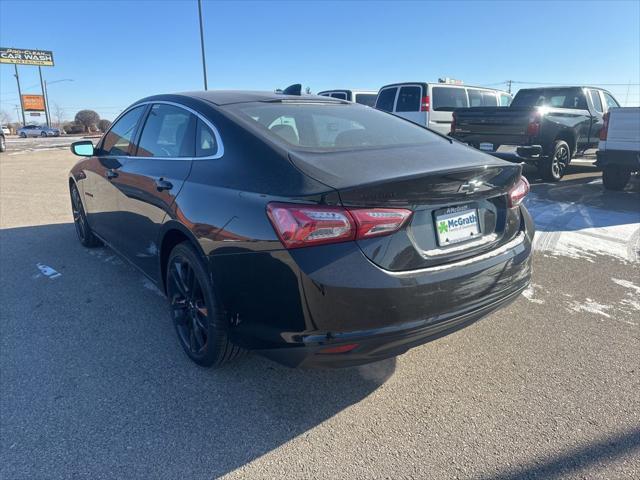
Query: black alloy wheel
555	166
85	235
197	319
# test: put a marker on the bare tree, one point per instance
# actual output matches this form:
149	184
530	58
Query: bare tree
103	125
4	117
58	114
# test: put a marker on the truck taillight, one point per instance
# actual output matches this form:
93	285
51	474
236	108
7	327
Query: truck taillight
306	225
425	104
518	192
533	128
453	123
605	127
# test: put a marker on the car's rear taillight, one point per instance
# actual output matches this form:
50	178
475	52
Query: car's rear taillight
425	104
605	127
453	123
533	128
307	225
518	192
375	222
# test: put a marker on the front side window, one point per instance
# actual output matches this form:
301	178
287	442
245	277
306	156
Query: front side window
447	99
611	102
385	99
118	140
168	132
595	100
409	99
327	127
482	98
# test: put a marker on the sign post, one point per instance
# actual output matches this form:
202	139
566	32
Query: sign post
44	96
24	123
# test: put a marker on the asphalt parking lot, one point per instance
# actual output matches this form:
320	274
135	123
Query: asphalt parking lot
95	385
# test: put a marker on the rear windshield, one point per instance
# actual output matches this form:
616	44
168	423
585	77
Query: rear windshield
332	127
447	99
368	99
551	97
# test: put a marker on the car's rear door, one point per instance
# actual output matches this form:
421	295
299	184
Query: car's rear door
597	115
149	181
409	104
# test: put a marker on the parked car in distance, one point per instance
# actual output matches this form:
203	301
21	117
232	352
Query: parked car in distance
316	231
619	148
545	126
5	129
431	104
364	97
3	142
38	131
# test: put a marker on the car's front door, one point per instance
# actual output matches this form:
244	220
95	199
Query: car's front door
100	194
149	181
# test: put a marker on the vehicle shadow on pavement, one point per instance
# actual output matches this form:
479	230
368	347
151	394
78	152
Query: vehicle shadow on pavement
597	454
95	383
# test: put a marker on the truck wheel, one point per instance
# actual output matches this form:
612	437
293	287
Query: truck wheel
615	178
553	167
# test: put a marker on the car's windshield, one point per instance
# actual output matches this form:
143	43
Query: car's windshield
332	126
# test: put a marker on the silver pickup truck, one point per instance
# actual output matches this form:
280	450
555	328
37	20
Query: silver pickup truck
619	147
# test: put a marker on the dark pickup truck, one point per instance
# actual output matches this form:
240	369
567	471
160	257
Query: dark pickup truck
545	127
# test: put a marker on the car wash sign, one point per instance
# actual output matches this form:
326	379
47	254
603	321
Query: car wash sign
43	58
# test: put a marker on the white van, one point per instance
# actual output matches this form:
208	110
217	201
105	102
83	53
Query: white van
365	97
432	104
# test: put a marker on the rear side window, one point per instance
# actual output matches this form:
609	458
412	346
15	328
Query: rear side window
447	99
611	102
595	99
409	99
206	145
118	140
368	99
481	98
167	132
385	99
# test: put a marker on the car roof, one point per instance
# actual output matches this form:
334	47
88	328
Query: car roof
439	84
352	90
227	97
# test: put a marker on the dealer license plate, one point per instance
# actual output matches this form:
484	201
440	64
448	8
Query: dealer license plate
457	226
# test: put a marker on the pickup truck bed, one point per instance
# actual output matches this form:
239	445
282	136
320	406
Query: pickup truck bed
546	127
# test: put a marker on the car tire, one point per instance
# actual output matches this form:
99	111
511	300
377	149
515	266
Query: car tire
615	178
23	135
43	134
3	144
85	235
553	167
196	313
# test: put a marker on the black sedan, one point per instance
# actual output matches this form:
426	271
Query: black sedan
310	229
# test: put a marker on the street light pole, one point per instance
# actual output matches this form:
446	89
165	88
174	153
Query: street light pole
204	64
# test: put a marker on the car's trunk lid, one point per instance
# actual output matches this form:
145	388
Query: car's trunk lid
436	183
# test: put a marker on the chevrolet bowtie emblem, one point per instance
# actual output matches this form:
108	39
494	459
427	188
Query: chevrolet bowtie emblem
469	187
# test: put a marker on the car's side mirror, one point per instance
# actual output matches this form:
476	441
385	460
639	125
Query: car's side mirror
83	148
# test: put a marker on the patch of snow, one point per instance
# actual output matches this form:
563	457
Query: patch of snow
530	292
590	306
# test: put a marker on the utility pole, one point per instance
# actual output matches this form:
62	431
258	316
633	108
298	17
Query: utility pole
44	97
24	122
509	85
46	104
204	64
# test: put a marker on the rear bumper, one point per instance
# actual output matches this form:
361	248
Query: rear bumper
627	159
352	301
